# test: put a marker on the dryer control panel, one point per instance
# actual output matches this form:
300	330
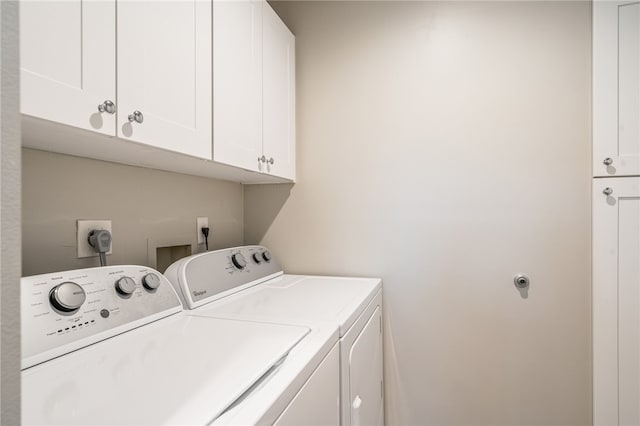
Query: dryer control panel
209	276
65	311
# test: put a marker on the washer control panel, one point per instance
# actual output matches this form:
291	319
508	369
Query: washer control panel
205	277
64	311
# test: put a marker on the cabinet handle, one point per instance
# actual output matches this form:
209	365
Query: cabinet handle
607	191
271	160
262	159
136	116
608	161
107	106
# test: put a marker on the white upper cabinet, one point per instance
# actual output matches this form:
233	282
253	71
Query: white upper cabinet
67	62
164	74
253	88
237	82
210	79
616	88
279	97
69	67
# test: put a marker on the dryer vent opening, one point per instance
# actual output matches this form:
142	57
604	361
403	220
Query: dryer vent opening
165	256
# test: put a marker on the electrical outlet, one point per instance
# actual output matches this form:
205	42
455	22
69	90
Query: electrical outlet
83	227
201	222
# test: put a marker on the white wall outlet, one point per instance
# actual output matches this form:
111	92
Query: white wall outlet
83	227
201	222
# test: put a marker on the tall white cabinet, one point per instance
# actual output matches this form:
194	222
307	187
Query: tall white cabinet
616	213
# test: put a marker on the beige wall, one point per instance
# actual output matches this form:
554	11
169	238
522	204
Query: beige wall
143	205
445	148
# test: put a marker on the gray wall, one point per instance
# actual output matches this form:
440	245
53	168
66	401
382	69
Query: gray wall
9	217
445	148
148	208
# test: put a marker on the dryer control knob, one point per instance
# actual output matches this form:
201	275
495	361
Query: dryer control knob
151	281
266	255
257	258
67	297
239	261
125	286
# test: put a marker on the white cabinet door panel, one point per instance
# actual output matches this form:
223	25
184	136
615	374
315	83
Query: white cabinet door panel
67	61
164	71
279	103
237	82
616	88
629	309
616	301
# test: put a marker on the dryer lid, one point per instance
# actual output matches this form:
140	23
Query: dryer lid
180	370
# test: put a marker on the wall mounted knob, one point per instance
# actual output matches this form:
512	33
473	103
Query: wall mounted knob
521	281
608	161
108	107
271	160
607	191
136	116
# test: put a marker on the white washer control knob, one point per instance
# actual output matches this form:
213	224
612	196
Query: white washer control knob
266	255
151	281
67	297
125	286
239	261
257	257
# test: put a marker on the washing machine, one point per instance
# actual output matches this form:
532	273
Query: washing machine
112	346
247	283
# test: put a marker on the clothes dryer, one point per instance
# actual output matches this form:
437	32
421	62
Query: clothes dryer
248	283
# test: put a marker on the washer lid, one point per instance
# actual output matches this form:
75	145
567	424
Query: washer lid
180	370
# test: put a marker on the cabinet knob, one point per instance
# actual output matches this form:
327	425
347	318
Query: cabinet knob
107	106
607	191
136	116
271	160
262	159
608	161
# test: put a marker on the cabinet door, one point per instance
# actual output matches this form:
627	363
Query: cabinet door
616	301
616	88
279	97
365	375
237	82
67	61
164	72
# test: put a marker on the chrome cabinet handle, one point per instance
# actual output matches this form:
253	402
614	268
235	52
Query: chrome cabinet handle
262	159
608	161
108	107
271	160
136	116
607	191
